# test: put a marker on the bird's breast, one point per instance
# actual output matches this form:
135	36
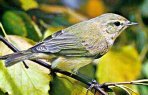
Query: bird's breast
96	46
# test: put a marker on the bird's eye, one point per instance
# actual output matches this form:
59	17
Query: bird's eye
117	23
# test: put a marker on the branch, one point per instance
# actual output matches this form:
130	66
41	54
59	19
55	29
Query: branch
136	82
121	85
46	65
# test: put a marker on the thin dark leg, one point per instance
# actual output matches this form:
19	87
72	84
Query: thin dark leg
26	66
12	48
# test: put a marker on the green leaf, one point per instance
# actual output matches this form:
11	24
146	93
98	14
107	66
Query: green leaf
62	85
144	69
144	8
32	32
25	23
89	71
141	39
2	93
13	24
17	80
143	90
111	93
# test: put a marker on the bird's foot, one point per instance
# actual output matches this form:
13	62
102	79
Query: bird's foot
74	71
93	84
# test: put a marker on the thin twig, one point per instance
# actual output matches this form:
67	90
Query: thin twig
136	82
3	30
130	89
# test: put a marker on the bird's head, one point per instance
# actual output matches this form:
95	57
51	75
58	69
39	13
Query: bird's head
113	24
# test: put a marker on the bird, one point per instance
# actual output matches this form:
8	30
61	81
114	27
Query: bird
77	45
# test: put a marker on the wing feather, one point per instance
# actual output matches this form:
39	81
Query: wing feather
63	43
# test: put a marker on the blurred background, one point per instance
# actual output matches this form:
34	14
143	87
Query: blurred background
127	60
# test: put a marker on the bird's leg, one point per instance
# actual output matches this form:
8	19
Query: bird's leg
12	48
26	66
92	84
74	71
89	88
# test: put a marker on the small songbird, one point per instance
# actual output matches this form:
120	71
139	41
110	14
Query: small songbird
77	45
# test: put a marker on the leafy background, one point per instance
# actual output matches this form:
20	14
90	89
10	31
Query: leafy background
29	21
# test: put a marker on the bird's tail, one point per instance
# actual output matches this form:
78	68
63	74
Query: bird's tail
11	59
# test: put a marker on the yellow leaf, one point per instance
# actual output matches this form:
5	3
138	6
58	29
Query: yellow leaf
52	30
28	4
53	8
117	66
95	8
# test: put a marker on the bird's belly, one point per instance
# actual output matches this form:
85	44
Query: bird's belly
70	63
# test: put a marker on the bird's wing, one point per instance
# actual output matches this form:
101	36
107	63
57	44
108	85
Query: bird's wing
62	43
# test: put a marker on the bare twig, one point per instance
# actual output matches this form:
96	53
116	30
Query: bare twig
3	30
136	82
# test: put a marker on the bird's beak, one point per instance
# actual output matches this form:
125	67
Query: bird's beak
131	23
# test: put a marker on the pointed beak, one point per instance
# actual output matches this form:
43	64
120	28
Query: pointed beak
131	23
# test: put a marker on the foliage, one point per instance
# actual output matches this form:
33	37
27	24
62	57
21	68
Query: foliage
34	20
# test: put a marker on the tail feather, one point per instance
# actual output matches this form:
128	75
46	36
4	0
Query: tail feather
4	57
17	57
